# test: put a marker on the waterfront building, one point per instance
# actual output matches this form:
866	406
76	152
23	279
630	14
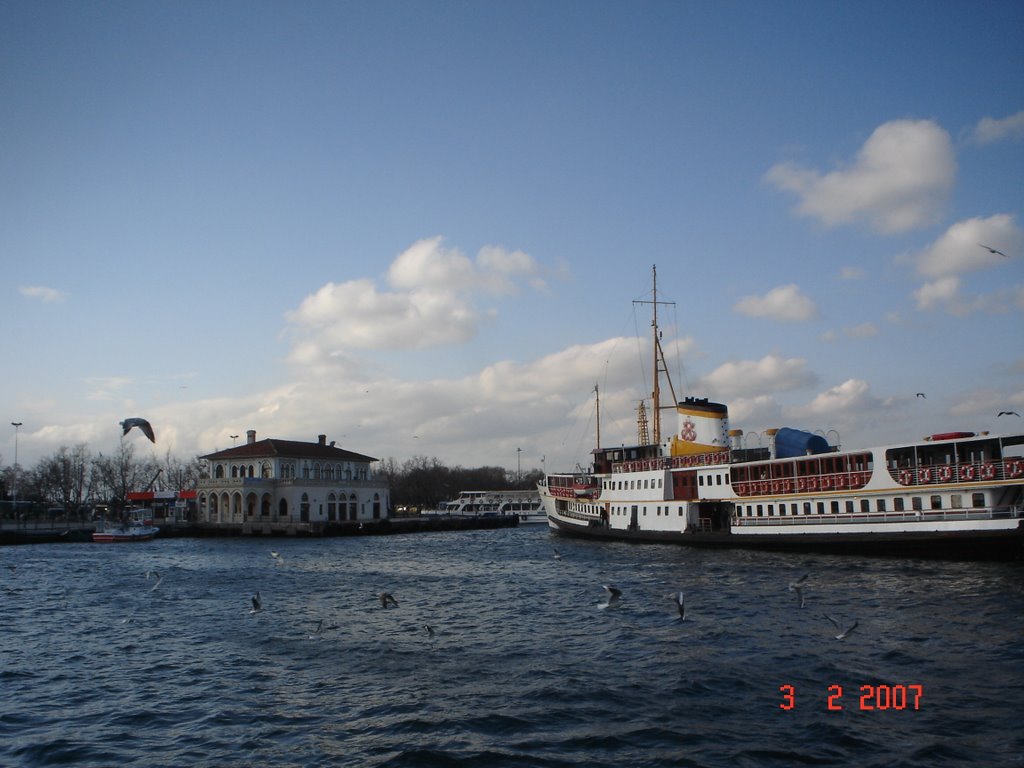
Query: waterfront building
272	484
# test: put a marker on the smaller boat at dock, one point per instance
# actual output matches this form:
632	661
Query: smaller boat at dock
526	505
137	526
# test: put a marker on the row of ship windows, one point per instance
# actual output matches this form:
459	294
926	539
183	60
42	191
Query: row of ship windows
643	511
881	505
655	483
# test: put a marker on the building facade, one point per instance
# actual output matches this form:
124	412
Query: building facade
275	483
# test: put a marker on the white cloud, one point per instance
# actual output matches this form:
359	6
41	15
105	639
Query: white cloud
782	303
851	396
938	292
990	129
863	331
899	180
748	378
852	273
44	294
961	248
435	300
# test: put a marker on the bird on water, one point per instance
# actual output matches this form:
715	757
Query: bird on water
614	596
386	600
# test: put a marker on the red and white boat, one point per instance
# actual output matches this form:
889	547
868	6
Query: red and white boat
951	493
137	527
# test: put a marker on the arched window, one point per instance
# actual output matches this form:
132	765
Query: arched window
218	472
332	507
304	508
376	506
252	471
282	509
234	470
265	470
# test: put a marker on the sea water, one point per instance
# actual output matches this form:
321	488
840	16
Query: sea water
100	665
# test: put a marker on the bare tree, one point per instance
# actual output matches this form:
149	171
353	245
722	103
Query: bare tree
64	477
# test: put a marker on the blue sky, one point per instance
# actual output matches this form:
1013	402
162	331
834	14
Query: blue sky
419	227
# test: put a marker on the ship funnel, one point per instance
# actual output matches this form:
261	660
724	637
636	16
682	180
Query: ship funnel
702	427
736	439
771	433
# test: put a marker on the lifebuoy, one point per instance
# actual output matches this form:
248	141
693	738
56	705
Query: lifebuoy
826	483
945	473
801	484
840	481
1014	469
967	472
925	475
905	477
988	471
812	484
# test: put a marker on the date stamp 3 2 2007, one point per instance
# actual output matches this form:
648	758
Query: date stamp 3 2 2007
871	697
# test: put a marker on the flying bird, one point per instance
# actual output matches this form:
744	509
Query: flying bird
990	249
798	587
430	630
155	575
678	598
142	424
557	555
257	603
921	394
843	633
1007	413
387	600
614	596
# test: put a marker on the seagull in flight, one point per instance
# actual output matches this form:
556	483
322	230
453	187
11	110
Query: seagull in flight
142	424
257	603
155	575
843	633
990	249
386	600
921	394
614	596
557	555
276	556
798	587
1007	413
679	600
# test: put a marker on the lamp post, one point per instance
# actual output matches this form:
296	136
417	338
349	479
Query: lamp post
519	466
15	424
233	438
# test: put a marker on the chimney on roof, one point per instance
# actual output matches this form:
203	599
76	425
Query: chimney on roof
322	439
250	436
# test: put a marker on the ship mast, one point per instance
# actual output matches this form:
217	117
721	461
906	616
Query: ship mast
597	404
660	366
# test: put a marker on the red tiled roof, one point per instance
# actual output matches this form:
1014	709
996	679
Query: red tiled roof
291	449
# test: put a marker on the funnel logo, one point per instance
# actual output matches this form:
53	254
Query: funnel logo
688	432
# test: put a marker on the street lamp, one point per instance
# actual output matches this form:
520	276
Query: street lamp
519	466
15	424
233	438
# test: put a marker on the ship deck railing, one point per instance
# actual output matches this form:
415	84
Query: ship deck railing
912	516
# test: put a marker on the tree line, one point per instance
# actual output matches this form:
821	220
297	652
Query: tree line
74	479
425	482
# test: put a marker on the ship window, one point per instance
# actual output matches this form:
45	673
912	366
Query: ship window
849	505
680	511
955	501
880	504
915	503
771	510
807	507
834	508
897	503
821	507
936	501
700	479
978	500
718	479
760	511
865	505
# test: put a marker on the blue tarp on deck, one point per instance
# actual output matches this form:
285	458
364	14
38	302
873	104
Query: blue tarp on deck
796	442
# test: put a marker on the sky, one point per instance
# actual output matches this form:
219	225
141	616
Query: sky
420	228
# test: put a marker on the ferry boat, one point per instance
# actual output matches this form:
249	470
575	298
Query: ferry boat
137	527
957	493
526	505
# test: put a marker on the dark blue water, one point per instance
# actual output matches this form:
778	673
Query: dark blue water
524	669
